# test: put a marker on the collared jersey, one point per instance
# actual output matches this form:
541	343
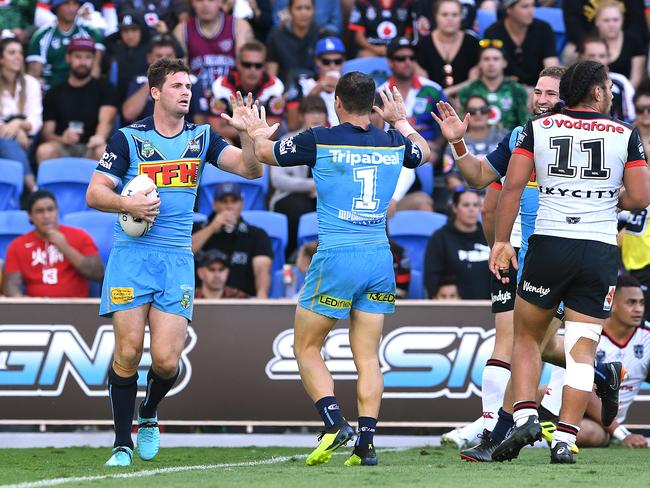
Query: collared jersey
173	163
580	158
355	171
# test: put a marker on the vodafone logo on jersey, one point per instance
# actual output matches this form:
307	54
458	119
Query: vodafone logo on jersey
587	125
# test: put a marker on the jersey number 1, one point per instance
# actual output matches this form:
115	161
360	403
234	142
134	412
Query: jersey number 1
562	166
368	201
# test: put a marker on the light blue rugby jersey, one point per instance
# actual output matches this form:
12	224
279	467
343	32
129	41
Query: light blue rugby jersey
355	171
173	163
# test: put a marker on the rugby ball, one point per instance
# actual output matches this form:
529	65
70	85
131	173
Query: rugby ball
130	225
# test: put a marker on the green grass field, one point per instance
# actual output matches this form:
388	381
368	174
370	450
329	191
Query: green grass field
615	467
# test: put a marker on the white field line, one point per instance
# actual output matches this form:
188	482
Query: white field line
155	472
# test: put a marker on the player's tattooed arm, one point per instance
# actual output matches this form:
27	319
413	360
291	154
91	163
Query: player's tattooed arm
13	282
476	171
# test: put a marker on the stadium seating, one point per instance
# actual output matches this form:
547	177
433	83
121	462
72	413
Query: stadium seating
484	19
254	190
424	174
100	226
276	226
11	184
556	20
377	67
13	223
416	285
412	229
67	179
307	228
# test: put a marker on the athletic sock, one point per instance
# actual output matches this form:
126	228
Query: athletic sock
157	388
329	411
122	392
502	427
367	426
552	400
471	431
565	433
600	375
495	379
522	410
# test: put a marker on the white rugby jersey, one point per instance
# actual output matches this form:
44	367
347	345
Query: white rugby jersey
635	356
579	158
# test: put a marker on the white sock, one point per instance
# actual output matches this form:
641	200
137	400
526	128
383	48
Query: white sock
495	379
552	400
565	433
523	410
470	432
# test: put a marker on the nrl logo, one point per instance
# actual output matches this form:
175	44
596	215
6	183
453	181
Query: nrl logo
147	149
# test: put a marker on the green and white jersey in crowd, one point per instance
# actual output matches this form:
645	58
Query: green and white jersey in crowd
508	104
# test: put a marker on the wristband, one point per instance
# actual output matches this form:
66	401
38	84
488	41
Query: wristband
621	432
458	148
410	129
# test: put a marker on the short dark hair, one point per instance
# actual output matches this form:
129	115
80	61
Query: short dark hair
643	90
556	72
161	40
356	92
471	97
312	103
590	39
626	280
39	195
436	6
455	197
159	70
579	79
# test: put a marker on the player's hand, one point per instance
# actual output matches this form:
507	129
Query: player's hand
394	108
451	126
635	440
255	123
141	207
502	255
240	109
71	136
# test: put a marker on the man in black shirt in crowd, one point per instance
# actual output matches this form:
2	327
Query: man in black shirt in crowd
528	43
248	247
78	114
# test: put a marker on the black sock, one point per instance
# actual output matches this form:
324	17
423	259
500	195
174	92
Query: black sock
329	411
122	392
600	374
504	424
157	388
367	426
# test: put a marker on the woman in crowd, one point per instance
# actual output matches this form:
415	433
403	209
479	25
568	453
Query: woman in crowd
460	249
627	52
21	107
642	108
291	47
448	53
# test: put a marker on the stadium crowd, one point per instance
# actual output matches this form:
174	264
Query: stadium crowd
71	74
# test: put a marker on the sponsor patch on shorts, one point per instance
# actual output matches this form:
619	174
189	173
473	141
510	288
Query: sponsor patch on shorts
120	296
609	299
332	302
382	297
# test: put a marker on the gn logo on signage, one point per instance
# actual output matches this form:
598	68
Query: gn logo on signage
183	173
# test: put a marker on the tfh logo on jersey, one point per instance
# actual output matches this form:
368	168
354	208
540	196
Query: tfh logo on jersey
38	360
172	174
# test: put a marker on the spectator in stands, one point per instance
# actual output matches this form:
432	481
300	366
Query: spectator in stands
293	277
248	247
127	48
330	56
447	289
594	48
250	76
481	137
327	15
420	97
21	109
160	16
507	99
579	22
212	270
211	39
291	47
402	267
528	43
448	53
425	22
642	111
79	114
627	52
260	16
376	22
295	191
46	56
460	249
17	16
52	260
